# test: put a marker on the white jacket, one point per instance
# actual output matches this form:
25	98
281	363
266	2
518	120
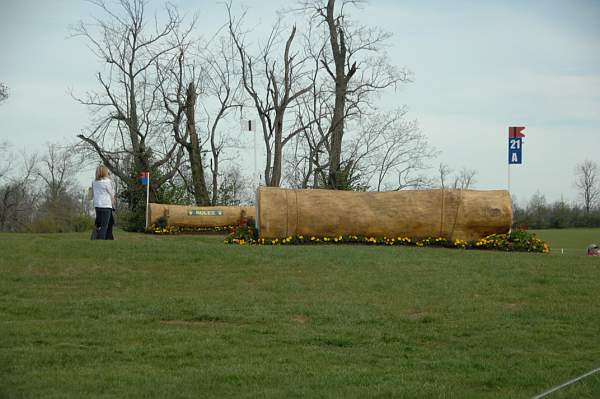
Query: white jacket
103	192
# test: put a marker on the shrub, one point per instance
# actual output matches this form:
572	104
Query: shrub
51	224
82	223
132	220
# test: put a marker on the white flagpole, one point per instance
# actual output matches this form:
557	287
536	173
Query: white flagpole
509	178
509	137
256	179
147	199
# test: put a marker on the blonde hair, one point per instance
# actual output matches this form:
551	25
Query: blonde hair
102	172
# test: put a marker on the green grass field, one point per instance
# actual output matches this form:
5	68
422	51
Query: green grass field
571	241
149	316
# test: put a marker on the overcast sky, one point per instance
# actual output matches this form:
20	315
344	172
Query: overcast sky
479	67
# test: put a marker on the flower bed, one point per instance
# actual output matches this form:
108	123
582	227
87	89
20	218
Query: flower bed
520	241
172	230
162	227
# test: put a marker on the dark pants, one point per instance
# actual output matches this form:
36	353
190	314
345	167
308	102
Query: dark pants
104	224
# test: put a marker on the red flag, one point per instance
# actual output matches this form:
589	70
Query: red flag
515	132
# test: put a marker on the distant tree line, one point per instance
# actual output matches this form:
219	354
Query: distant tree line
38	192
540	214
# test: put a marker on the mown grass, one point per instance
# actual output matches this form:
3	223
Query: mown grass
571	241
149	316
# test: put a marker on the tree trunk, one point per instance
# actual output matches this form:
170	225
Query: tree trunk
268	168
336	130
194	149
336	135
215	180
278	151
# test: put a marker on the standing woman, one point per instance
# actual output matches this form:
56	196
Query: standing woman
104	202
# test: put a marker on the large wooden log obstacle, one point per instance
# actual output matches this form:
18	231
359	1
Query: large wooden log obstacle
453	214
199	216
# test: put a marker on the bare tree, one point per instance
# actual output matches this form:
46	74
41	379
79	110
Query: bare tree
588	183
390	151
3	92
356	67
274	84
61	198
201	87
234	188
57	169
222	85
128	133
179	88
6	160
308	161
536	210
18	197
444	173
465	179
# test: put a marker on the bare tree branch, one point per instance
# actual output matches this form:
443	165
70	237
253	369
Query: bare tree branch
273	92
127	129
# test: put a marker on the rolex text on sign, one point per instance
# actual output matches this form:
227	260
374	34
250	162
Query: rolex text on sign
202	212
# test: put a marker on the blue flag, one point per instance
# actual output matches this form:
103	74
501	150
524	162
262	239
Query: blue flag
144	178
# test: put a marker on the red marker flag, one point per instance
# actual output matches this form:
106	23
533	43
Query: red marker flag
515	132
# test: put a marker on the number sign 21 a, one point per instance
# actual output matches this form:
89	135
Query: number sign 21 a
515	153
